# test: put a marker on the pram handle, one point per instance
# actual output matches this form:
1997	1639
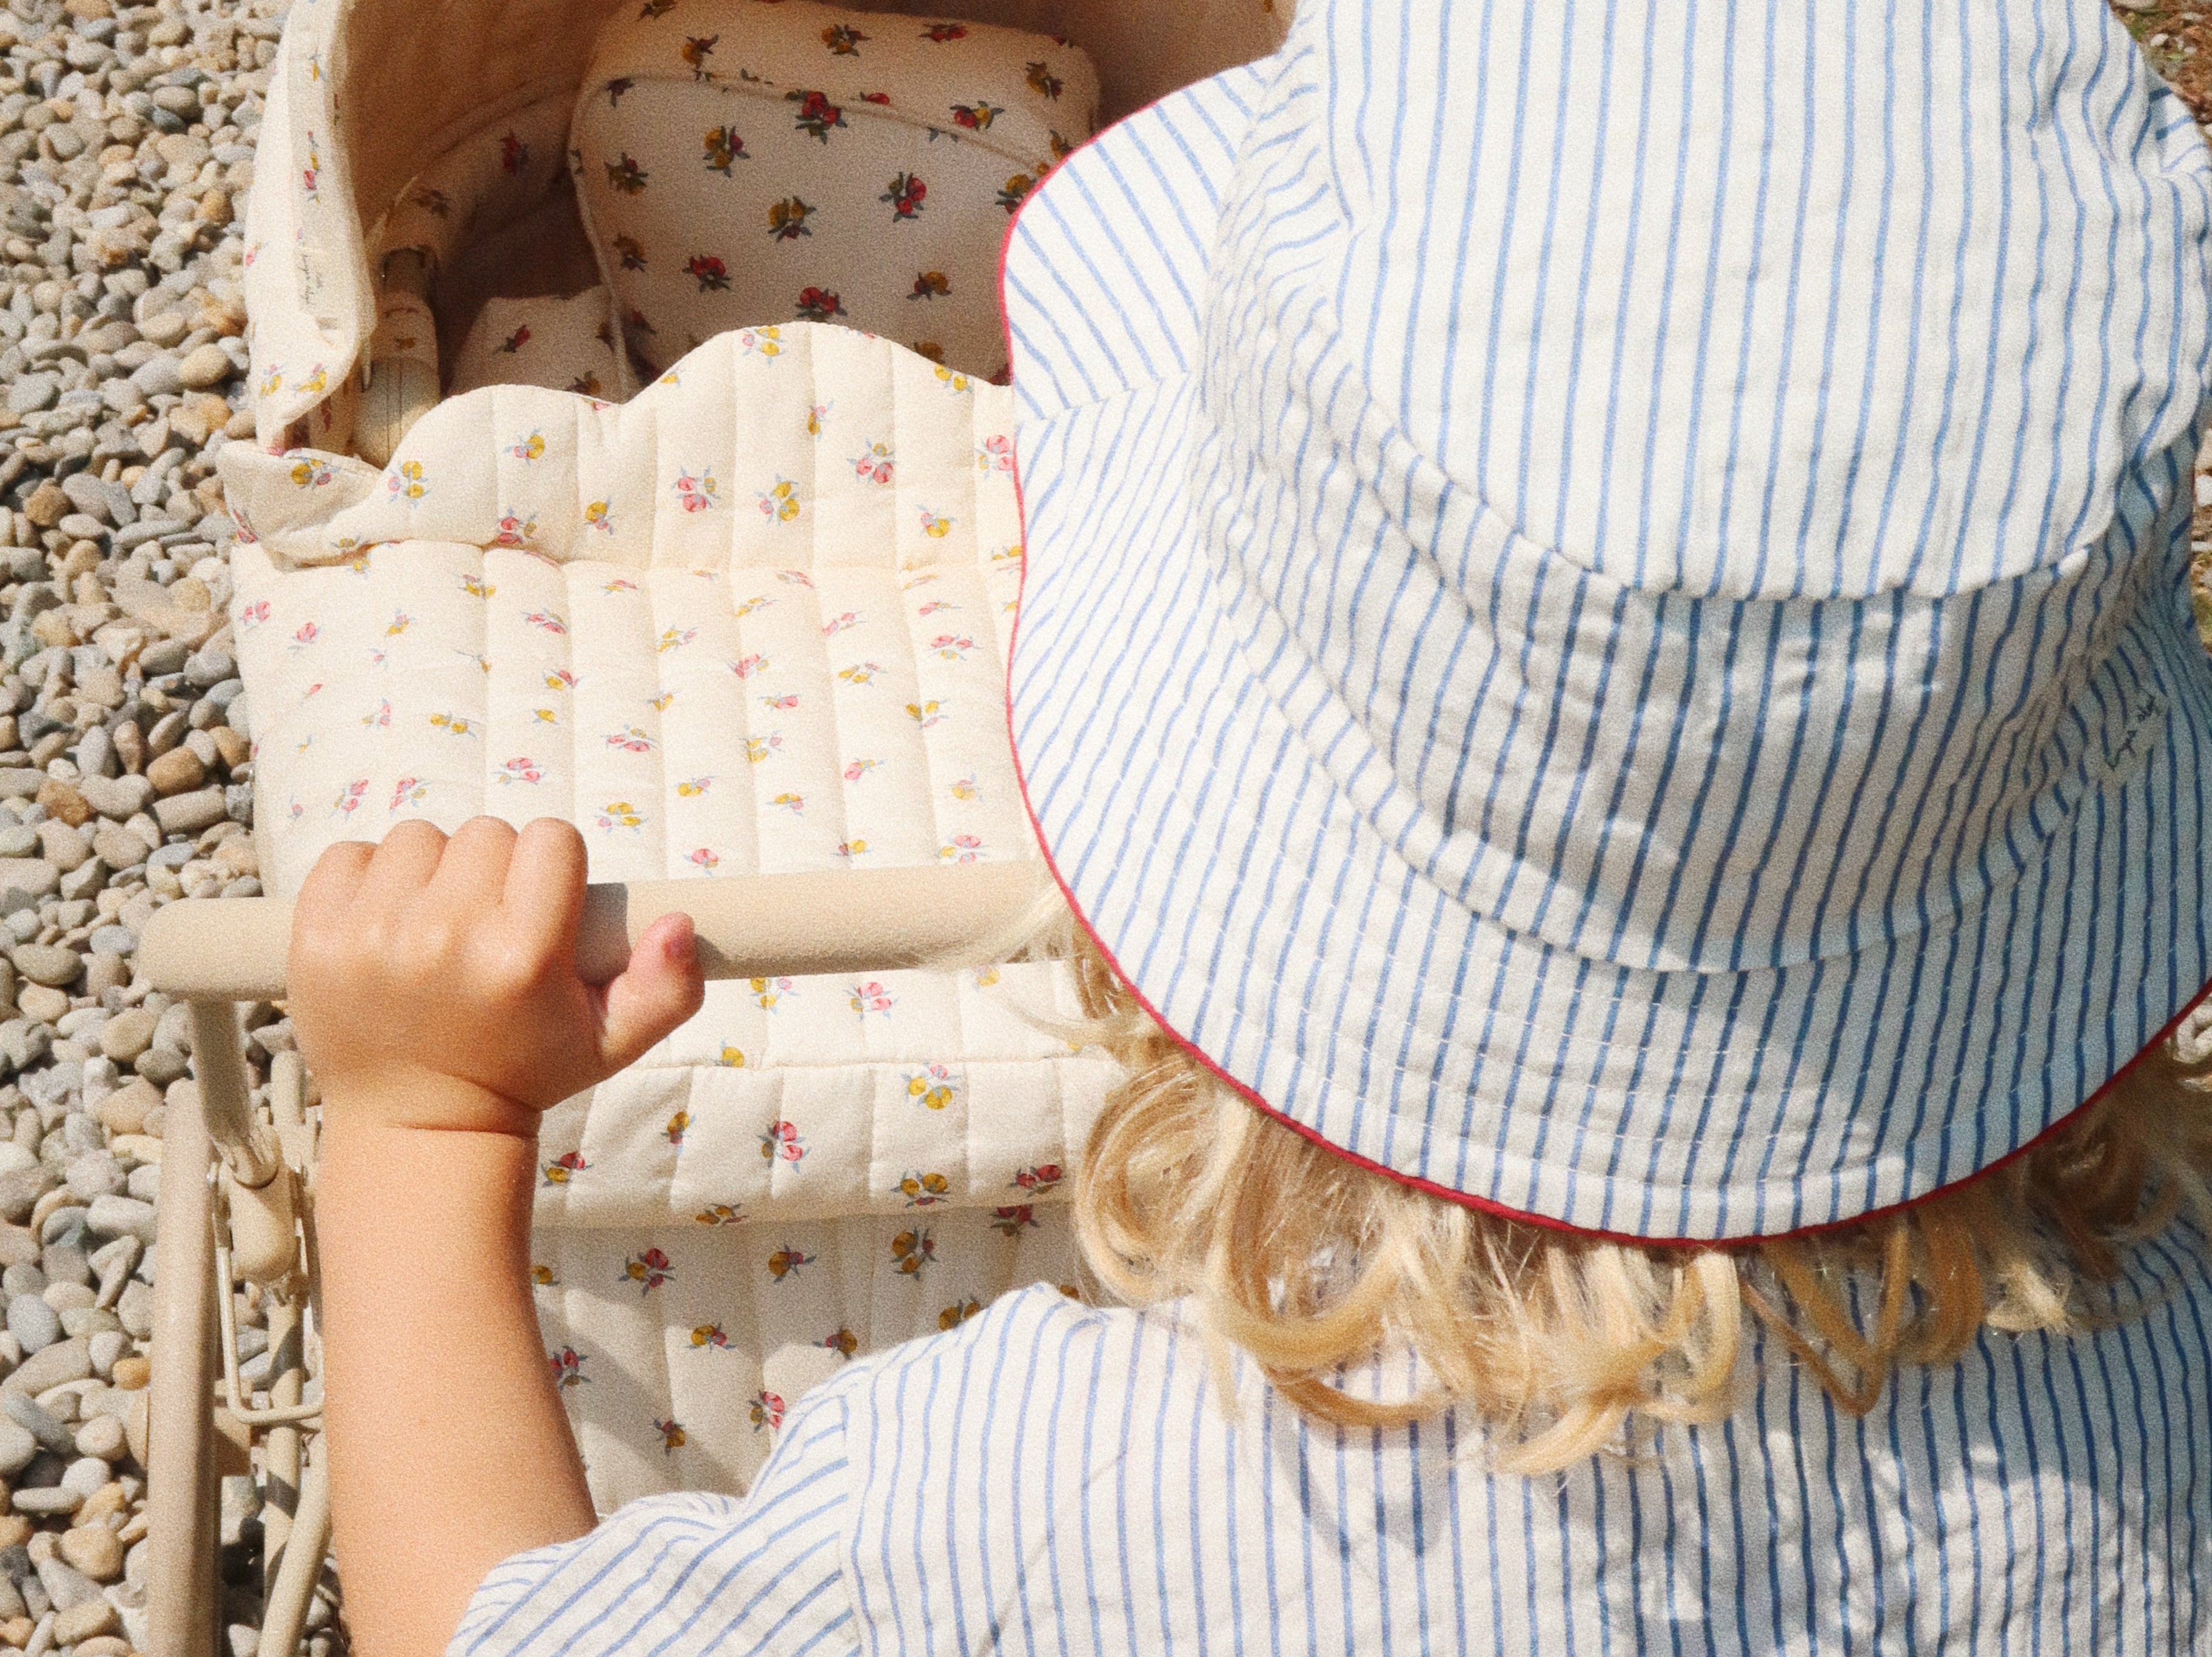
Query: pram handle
748	926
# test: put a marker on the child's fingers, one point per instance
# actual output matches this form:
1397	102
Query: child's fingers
321	929
544	899
657	991
472	873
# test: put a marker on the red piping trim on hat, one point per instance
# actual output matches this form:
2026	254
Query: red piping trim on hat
1429	1187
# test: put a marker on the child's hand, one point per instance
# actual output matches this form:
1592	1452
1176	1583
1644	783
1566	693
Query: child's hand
433	981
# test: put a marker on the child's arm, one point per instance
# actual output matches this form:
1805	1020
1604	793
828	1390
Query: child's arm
435	996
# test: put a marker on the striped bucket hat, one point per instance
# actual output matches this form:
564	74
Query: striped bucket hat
1606	628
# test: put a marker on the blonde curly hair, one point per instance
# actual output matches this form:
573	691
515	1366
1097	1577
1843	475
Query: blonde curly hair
1309	1264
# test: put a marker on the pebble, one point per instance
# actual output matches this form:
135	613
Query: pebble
121	1216
47	1500
93	1549
47	963
188	814
17	1446
35	1325
88	1621
205	366
177	772
40	1423
69	1359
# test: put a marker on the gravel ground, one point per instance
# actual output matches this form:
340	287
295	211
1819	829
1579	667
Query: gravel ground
125	775
126	137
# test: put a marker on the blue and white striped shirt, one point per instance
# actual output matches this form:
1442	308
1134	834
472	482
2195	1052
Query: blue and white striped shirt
1051	1479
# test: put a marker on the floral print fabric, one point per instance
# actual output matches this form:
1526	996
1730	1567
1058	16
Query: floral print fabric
755	620
749	161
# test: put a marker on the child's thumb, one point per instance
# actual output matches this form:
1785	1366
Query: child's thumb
658	990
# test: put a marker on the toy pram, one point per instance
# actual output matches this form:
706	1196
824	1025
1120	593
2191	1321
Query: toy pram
746	630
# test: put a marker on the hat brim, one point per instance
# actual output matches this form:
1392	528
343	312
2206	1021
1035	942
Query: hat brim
1235	864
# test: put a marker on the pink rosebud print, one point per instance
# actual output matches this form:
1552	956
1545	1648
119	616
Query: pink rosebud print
625	177
564	1168
819	303
944	32
781	1143
696	493
671	1433
522	768
711	274
705	859
648	1270
871	997
515	341
745	666
350	797
767	1411
904	193
546	620
513	153
817	114
568	1366
976	116
408	791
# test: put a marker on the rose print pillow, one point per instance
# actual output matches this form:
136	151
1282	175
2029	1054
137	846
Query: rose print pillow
744	162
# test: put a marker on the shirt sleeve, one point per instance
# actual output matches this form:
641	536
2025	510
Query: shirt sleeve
686	1572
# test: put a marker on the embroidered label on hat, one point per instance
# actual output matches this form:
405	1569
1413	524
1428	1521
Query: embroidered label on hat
2128	739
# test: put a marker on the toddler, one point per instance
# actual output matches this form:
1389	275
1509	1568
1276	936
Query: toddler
1606	667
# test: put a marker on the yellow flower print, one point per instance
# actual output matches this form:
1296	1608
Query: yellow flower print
750	605
677	638
815	416
796	801
926	714
762	342
620	815
965	788
476	587
694	787
781	503
272	382
317	380
951	381
1011	194
452	722
597	516
407	483
542	1277
732	1057
954	1315
546	715
767	992
529	448
849	849
719	1214
935	526
787	219
310	475
759	748
924	1190
934	1086
912	1250
672	1434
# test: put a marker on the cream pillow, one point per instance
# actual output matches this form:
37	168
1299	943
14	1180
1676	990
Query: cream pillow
744	163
